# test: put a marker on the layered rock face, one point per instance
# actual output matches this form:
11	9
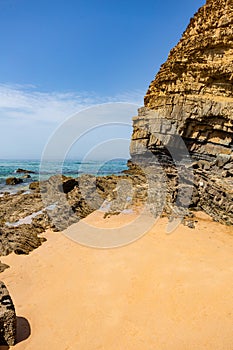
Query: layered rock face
192	96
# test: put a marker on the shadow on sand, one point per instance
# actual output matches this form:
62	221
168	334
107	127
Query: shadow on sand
23	331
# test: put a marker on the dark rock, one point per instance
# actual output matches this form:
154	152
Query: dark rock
189	223
67	185
3	267
24	171
26	176
7	318
13	181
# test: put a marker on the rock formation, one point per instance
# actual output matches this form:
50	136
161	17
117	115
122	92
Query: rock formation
53	204
7	318
24	171
13	181
193	95
20	240
3	267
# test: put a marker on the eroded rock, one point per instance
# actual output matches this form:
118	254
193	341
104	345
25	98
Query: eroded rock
7	318
20	240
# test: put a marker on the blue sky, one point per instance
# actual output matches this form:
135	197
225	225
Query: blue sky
58	57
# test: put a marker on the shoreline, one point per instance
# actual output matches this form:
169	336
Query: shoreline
72	168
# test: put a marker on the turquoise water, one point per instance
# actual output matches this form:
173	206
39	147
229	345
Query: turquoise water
71	168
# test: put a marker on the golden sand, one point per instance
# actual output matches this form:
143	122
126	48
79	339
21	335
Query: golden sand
162	292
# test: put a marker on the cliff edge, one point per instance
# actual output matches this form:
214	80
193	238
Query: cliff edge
193	93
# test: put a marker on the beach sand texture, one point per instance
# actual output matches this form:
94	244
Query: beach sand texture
162	292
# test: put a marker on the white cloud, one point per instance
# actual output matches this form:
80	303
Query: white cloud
28	116
27	103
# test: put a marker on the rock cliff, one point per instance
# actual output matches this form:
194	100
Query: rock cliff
192	97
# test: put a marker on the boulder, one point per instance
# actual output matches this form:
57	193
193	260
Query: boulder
13	181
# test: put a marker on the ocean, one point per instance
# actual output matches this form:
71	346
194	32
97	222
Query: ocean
73	168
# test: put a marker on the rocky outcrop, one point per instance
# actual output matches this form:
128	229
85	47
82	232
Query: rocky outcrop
24	171
53	204
192	97
18	206
7	318
13	181
73	199
20	240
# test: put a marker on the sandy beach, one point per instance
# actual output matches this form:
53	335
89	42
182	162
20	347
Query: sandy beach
165	292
